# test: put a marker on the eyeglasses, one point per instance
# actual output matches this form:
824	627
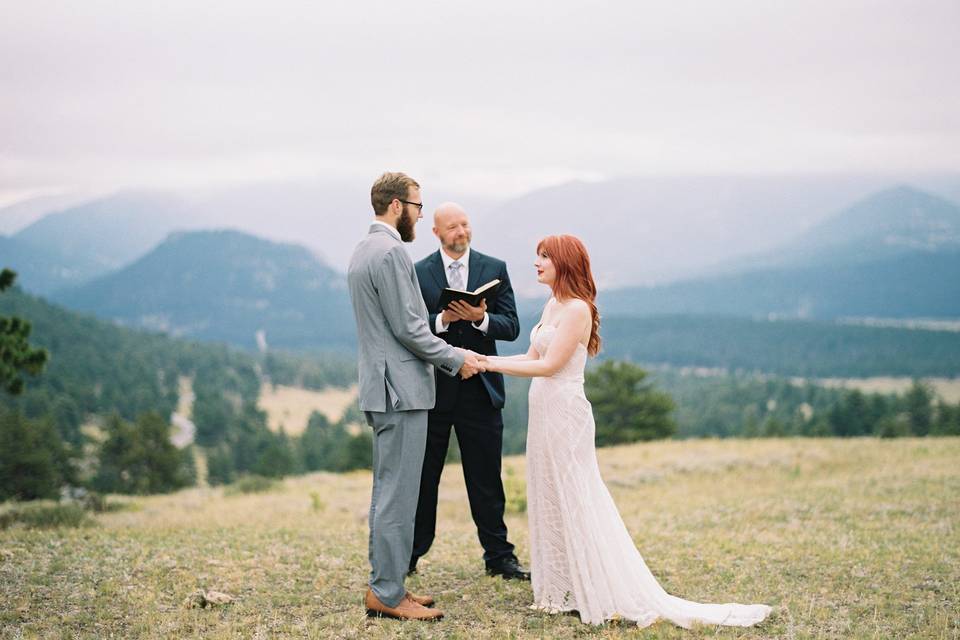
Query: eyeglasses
418	205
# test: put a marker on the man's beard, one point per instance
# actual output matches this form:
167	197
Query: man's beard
405	226
458	247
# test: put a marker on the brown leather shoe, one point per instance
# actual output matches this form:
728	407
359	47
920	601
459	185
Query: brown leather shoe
425	601
406	609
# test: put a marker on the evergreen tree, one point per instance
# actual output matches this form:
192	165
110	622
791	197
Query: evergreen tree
276	457
313	442
893	426
625	405
16	354
947	420
879	407
165	467
331	447
773	428
818	428
850	416
751	428
33	460
140	459
220	465
116	468
360	450
918	403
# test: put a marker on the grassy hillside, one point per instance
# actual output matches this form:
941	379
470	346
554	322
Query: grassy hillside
847	538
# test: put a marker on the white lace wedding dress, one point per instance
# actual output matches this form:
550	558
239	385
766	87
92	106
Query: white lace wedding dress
582	557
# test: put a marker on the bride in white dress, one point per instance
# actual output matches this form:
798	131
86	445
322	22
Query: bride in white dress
581	554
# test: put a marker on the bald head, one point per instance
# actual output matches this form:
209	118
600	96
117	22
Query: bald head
452	227
446	210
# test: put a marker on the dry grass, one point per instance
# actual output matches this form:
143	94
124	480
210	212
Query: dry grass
292	406
848	539
946	388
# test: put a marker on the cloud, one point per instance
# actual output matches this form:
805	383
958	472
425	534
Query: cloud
507	94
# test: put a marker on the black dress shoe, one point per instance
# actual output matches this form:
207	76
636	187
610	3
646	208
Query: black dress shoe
510	569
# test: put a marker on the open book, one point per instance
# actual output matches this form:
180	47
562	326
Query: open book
473	298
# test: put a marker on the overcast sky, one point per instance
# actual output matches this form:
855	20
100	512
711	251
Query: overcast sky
471	96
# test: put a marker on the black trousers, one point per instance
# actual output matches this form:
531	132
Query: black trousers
479	429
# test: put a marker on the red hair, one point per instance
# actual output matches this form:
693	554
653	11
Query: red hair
574	278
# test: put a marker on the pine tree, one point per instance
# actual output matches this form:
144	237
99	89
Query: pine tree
116	470
140	459
33	460
165	468
948	419
313	442
16	354
220	465
918	403
625	406
276	459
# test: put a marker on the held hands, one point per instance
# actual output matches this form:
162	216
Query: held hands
473	363
460	310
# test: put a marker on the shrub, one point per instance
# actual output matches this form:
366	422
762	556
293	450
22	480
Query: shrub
251	484
46	516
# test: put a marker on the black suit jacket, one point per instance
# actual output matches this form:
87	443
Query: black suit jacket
504	324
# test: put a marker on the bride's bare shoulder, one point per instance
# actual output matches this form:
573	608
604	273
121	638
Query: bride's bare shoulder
573	310
577	306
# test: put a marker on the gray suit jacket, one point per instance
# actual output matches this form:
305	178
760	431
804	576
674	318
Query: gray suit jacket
397	349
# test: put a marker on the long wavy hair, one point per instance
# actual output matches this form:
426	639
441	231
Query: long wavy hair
574	278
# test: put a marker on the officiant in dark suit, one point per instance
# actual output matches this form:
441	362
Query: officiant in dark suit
471	407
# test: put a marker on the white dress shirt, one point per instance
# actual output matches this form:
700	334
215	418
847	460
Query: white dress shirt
464	260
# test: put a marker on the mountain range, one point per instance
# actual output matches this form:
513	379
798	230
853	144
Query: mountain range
26	211
653	231
639	230
78	243
72	246
893	254
225	286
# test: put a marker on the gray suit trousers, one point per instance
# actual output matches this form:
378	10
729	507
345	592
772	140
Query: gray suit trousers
399	441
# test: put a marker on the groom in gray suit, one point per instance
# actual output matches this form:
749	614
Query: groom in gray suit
398	353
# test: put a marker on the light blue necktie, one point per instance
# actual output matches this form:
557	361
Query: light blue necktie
456	277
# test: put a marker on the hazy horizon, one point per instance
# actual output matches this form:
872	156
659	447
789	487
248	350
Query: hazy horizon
639	230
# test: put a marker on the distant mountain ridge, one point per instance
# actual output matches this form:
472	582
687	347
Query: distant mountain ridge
894	254
639	230
88	240
656	230
885	224
907	286
39	269
85	240
22	213
225	286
